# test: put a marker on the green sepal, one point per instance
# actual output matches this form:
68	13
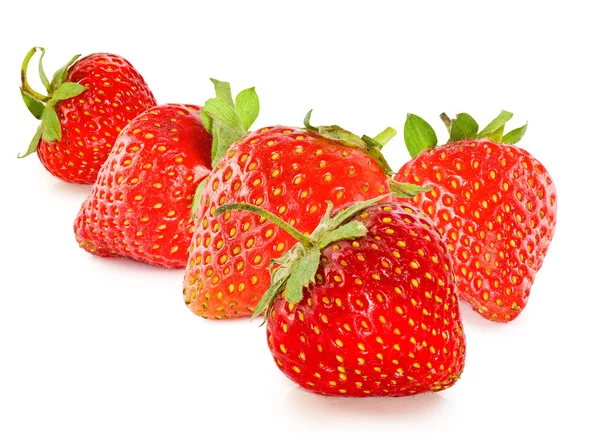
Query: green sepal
491	130
220	110
348	231
41	71
50	124
350	212
515	136
197	194
463	127
207	122
419	136
301	274
61	74
496	136
228	121
269	296
223	91
34	106
247	106
34	143
370	146
406	190
67	90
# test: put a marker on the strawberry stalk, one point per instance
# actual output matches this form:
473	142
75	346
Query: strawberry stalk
41	106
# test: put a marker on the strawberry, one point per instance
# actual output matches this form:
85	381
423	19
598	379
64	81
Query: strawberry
365	305
494	203
140	205
87	104
290	172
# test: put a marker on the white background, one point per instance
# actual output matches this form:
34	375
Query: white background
103	353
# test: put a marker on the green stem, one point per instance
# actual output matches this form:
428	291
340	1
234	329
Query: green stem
300	237
25	85
447	121
385	136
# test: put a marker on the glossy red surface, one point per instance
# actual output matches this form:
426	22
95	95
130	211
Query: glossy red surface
140	205
287	171
496	207
382	318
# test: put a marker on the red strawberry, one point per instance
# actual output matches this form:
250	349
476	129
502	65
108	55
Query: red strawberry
285	170
140	204
366	306
494	203
87	105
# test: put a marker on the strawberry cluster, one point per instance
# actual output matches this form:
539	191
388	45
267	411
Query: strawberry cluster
357	269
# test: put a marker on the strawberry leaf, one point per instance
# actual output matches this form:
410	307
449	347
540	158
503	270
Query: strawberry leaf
67	90
225	120
270	295
491	130
50	124
207	122
247	107
219	109
61	74
348	231
464	127
302	272
370	146
349	212
405	190
34	143
35	107
515	136
25	87
42	73
418	135
223	137
223	91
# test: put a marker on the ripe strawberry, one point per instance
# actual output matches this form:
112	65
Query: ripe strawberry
366	306
140	205
494	203
285	170
87	105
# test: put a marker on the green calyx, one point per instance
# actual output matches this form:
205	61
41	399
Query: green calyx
227	121
297	268
419	136
370	146
43	107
